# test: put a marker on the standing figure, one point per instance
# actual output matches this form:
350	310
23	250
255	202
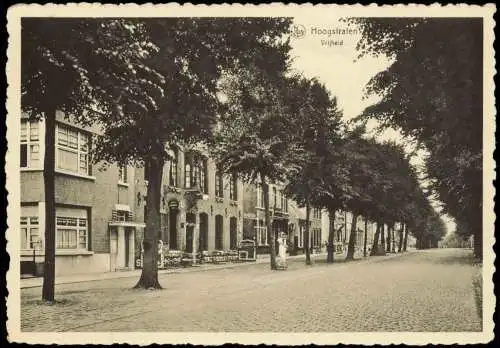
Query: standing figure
282	244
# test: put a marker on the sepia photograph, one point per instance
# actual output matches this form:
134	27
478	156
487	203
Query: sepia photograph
277	174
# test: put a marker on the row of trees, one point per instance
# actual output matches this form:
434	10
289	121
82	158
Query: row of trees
153	83
287	130
433	93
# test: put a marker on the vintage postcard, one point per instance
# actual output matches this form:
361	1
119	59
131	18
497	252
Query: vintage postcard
276	174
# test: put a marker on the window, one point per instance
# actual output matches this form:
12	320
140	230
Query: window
316	237
279	203
72	150
203	172
196	172
284	203
261	233
187	175
30	144
172	175
123	174
274	197
71	233
316	213
301	237
219	184
233	187
260	197
30	233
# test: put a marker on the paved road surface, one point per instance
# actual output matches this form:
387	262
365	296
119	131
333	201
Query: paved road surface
418	291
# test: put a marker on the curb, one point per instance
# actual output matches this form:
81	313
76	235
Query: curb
136	273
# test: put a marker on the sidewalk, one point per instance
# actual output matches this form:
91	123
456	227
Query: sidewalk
78	278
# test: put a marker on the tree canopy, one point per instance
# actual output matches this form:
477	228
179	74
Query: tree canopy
432	92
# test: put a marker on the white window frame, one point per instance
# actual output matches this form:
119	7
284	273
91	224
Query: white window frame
203	174
30	143
316	237
75	220
233	187
32	223
123	175
285	204
219	184
260	204
79	151
174	164
261	233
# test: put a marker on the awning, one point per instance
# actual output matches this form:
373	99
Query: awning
122	207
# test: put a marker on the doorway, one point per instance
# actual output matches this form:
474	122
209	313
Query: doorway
189	238
219	233
233	233
128	233
203	232
172	228
190	223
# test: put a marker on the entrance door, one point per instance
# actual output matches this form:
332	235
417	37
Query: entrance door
189	238
127	246
172	229
203	231
233	233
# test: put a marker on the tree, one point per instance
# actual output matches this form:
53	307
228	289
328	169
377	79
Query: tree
72	66
405	239
400	240
254	138
316	131
375	240
433	93
365	238
193	55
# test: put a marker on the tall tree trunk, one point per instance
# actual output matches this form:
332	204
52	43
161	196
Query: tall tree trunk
306	235
149	274
405	239
270	231
400	241
352	238
365	241
393	238
49	164
331	236
382	240
345	227
389	237
374	250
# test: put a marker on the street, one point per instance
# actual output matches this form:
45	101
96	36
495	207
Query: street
429	290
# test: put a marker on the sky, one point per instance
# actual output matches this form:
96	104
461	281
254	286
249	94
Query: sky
325	49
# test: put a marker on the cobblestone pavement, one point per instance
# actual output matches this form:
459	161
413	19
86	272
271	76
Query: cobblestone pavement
417	291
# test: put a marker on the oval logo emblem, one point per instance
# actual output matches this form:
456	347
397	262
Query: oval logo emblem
297	31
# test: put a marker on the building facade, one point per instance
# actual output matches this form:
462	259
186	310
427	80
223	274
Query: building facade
200	208
100	211
286	216
254	226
